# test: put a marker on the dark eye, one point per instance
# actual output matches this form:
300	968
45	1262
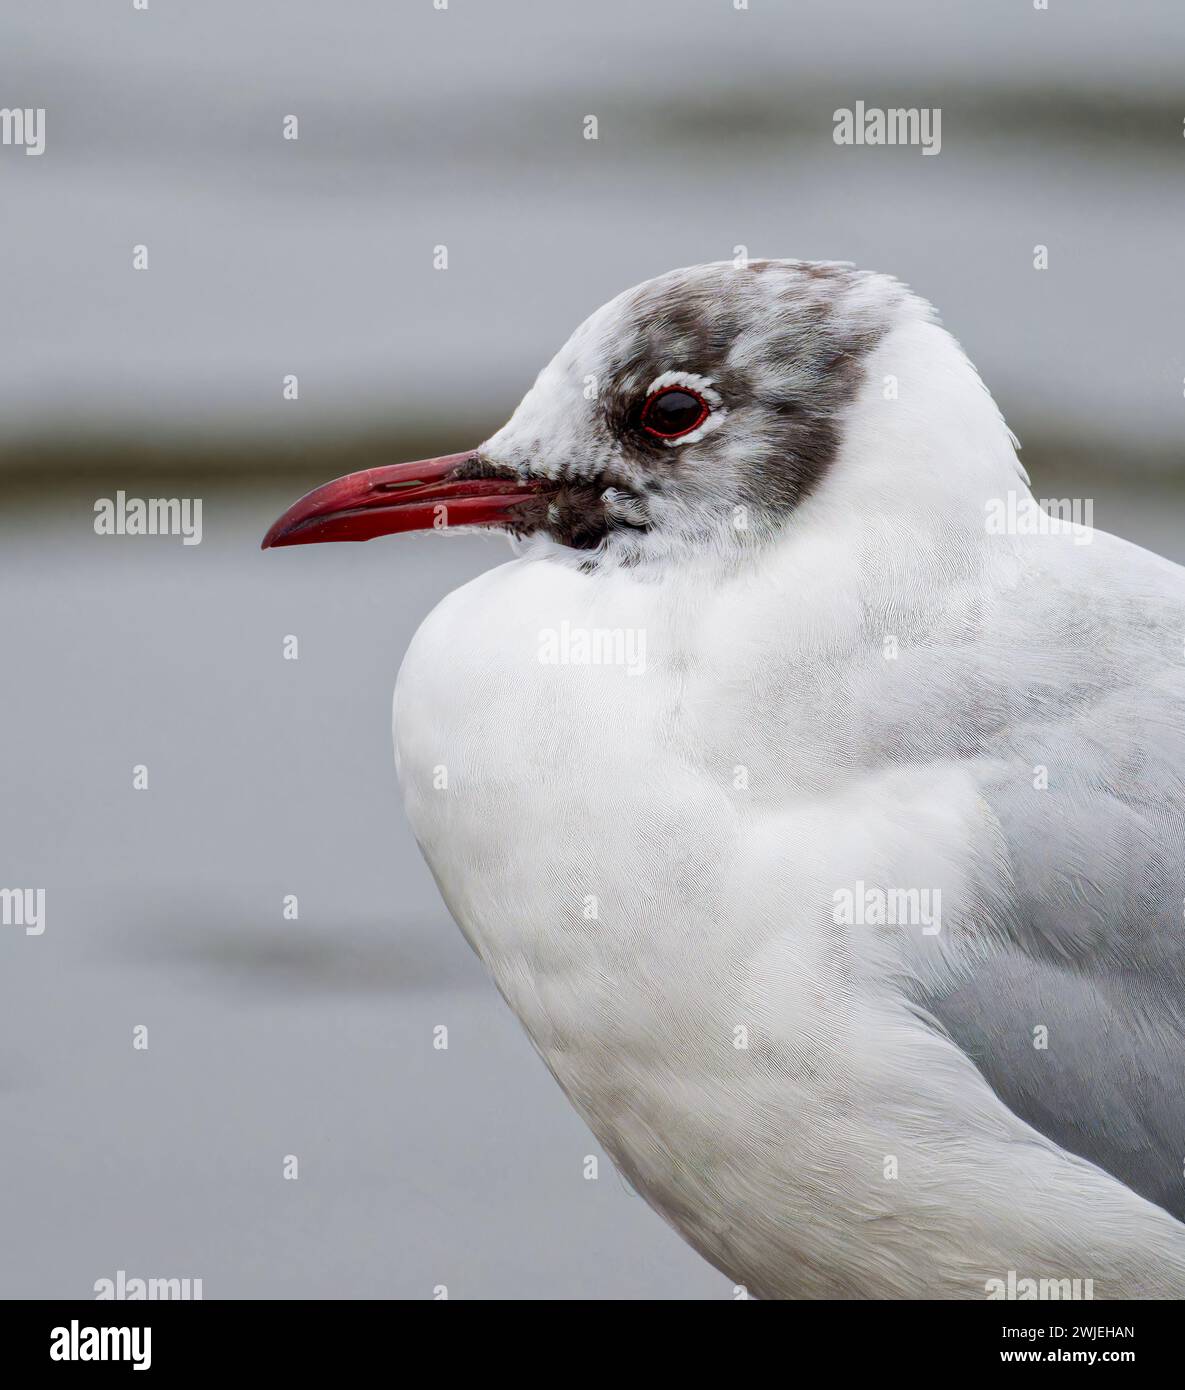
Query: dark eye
674	411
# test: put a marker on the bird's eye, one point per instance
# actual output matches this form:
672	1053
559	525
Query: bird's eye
673	412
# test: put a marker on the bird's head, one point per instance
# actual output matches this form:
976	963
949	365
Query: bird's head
698	409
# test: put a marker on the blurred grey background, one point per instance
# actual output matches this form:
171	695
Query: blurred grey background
420	127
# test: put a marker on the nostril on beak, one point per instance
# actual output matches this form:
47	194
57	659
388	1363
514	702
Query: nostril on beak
400	485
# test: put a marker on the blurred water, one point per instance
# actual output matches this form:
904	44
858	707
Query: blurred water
464	127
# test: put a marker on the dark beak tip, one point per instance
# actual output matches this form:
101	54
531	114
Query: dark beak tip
275	536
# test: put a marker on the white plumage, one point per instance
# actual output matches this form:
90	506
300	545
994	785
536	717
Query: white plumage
861	689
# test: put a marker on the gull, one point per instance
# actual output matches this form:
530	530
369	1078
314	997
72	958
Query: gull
814	798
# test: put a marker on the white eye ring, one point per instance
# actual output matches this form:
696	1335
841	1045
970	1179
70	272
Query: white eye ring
702	386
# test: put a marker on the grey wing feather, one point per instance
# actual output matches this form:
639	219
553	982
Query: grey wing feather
1094	951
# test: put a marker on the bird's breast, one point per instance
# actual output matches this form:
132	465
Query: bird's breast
630	791
554	773
639	801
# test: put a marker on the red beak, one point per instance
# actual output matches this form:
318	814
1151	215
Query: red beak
406	497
